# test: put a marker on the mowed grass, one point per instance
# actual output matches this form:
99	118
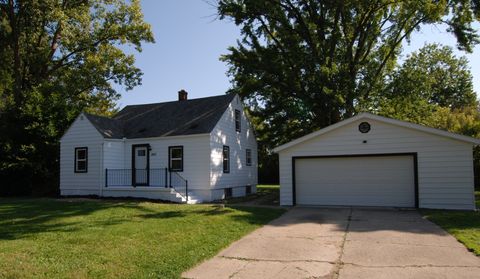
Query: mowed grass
49	238
464	225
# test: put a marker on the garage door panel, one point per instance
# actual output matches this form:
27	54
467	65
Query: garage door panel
365	181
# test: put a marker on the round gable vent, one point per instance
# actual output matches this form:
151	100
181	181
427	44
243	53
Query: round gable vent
364	127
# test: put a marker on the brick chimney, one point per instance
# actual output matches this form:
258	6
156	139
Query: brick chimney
182	95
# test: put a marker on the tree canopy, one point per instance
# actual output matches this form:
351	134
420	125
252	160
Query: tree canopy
57	59
302	65
429	79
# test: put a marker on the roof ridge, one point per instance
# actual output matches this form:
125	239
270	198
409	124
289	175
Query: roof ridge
96	115
185	101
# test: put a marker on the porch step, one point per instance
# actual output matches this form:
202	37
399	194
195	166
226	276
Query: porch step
192	199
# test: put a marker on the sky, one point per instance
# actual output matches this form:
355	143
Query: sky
190	40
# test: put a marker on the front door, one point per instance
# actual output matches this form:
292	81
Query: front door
140	165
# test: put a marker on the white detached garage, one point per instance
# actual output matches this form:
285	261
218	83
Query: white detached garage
369	160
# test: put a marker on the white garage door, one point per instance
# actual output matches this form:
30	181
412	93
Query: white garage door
361	181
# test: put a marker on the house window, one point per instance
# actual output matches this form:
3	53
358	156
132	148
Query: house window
227	192
175	154
237	120
226	159
249	157
81	159
248	190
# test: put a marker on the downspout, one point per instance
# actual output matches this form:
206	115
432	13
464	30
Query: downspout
102	171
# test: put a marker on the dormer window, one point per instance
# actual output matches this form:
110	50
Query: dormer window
237	121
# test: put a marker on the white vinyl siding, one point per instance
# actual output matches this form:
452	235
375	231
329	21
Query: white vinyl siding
224	133
445	166
113	154
81	134
195	158
202	160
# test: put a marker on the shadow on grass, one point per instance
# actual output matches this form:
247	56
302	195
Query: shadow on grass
20	217
251	215
23	217
265	195
454	220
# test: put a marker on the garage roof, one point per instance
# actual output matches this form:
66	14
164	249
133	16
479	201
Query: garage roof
366	115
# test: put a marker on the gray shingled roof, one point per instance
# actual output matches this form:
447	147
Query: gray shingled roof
196	116
108	127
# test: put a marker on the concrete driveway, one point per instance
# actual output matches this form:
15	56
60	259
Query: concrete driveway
343	243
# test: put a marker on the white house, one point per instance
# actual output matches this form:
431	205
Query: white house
204	147
369	160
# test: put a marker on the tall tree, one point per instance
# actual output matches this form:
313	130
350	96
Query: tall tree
58	57
305	64
429	79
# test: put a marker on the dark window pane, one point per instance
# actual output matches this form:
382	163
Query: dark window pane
81	153
176	158
141	152
237	121
226	159
227	192
176	152
249	157
176	165
81	165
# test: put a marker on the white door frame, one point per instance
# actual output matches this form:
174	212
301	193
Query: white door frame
134	179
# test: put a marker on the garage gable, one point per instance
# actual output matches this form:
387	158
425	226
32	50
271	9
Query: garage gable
360	118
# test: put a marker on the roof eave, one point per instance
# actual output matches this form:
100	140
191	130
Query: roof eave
365	115
76	118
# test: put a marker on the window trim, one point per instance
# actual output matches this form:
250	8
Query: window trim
248	152
227	159
238	121
75	162
170	148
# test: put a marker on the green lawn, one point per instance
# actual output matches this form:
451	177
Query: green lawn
48	238
464	225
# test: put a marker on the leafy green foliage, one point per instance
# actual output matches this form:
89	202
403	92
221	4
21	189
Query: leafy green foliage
45	238
434	88
430	84
58	58
303	65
